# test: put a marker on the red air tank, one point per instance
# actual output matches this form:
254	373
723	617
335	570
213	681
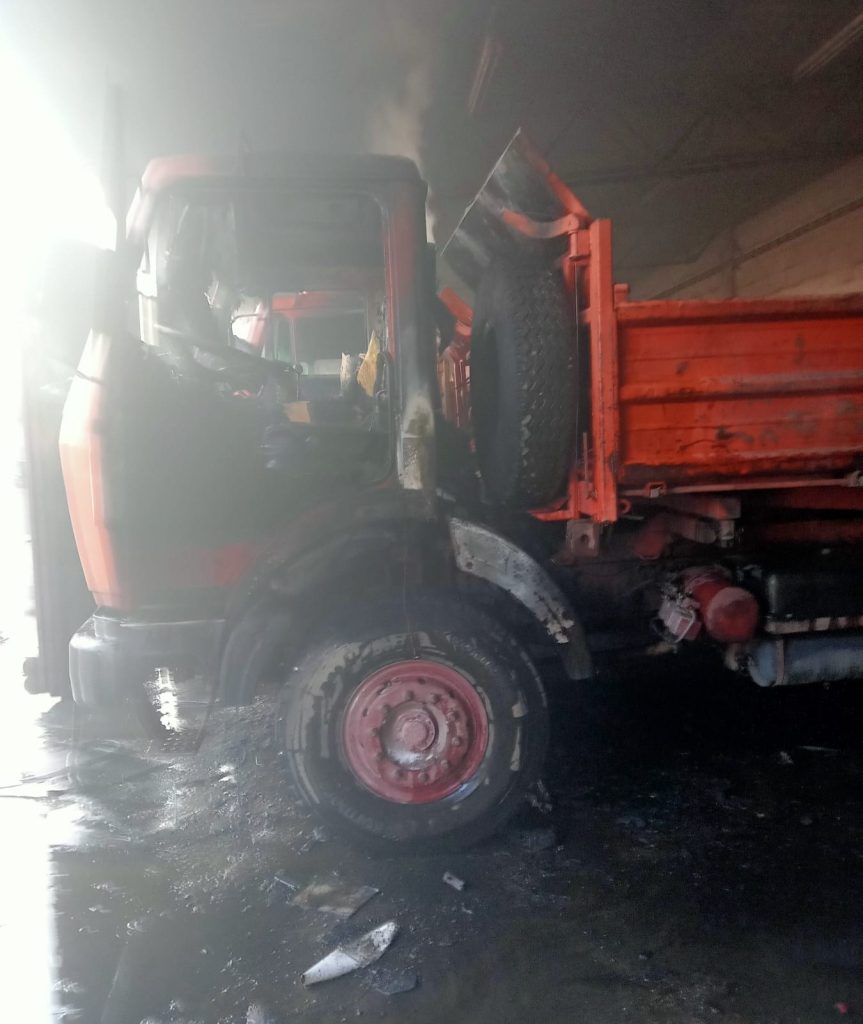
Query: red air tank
729	613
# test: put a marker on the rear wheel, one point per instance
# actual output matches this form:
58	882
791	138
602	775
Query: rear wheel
417	724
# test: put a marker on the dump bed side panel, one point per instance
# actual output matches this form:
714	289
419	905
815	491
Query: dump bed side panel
713	391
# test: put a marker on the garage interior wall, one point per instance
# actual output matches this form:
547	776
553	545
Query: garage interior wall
810	243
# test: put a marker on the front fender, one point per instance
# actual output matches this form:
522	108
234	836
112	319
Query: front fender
481	552
269	617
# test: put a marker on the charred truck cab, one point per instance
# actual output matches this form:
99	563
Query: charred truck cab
215	425
287	460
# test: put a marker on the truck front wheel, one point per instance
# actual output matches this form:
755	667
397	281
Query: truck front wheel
418	724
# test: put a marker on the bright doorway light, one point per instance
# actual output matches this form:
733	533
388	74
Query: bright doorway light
47	192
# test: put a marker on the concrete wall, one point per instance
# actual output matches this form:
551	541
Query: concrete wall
809	244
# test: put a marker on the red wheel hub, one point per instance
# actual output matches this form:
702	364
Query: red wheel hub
415	731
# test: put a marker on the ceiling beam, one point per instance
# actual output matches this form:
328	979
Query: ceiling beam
831	48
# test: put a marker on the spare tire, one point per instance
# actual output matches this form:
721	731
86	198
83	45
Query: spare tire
522	381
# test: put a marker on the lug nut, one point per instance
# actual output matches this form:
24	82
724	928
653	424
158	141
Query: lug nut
424	776
409	695
456	741
435	698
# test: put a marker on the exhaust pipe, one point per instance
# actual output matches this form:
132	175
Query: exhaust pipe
809	659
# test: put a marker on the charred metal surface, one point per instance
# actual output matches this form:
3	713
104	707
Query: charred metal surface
110	656
416	446
480	551
312	575
514	203
582	541
411	327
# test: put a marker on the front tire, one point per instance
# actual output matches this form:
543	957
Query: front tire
418	724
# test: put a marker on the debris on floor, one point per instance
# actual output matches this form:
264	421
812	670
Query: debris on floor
649	840
318	835
534	840
353	955
258	1014
633	821
390	981
335	897
453	881
540	799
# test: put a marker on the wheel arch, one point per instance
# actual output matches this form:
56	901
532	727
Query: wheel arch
289	591
487	555
286	595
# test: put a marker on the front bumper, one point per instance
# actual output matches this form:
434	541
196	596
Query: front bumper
110	656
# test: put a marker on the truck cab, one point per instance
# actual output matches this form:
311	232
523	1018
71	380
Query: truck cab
171	425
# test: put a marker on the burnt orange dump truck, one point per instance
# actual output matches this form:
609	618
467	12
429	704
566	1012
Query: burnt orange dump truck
288	461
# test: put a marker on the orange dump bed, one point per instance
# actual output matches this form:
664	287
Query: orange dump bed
739	391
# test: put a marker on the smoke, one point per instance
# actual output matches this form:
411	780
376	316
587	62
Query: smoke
396	126
396	120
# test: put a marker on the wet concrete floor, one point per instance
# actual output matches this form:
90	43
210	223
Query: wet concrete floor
706	866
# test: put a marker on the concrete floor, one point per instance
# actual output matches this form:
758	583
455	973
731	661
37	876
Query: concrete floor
707	866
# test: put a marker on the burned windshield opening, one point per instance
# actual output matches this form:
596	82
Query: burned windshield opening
213	255
276	295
